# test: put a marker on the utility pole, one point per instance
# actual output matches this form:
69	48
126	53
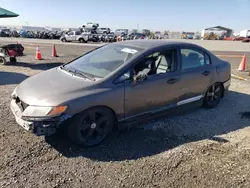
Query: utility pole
27	25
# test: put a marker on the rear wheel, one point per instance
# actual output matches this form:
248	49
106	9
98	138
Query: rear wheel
3	61
81	40
213	96
64	40
91	127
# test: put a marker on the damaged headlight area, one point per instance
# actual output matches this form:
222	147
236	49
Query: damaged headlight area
42	113
13	94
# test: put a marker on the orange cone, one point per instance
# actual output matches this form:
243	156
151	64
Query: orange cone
54	54
118	38
242	66
38	53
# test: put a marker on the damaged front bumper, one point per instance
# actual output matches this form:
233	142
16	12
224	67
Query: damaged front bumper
38	126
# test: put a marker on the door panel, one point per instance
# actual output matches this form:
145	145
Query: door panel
153	94
196	73
195	81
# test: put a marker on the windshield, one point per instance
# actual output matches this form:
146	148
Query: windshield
101	62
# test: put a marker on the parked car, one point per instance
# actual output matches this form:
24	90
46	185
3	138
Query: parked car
74	36
91	25
6	32
116	84
189	36
102	30
197	36
121	32
158	35
134	36
88	31
3	34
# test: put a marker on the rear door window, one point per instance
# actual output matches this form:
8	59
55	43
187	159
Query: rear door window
192	58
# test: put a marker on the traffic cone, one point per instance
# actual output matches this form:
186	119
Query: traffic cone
54	54
118	38
242	66
38	53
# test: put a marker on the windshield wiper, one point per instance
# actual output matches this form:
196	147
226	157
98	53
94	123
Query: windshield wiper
68	70
83	75
76	72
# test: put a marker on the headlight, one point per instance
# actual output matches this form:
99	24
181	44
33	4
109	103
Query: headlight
43	111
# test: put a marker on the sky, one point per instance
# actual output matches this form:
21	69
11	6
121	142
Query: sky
173	15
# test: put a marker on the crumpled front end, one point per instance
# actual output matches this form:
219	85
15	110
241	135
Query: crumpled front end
40	126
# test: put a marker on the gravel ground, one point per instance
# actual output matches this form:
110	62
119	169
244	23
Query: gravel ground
192	147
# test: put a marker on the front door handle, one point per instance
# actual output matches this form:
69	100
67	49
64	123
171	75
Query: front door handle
205	73
172	81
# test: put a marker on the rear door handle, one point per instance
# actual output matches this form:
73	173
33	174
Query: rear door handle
172	81
205	73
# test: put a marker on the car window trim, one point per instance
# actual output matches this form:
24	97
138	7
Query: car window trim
208	58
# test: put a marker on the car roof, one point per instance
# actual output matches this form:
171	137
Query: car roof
148	44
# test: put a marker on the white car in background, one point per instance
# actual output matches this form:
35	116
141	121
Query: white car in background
121	32
103	30
158	35
91	25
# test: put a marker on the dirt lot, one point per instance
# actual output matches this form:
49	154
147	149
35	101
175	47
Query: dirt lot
197	148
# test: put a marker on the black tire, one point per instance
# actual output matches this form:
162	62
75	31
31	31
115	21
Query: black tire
3	61
64	40
12	59
213	96
81	40
91	127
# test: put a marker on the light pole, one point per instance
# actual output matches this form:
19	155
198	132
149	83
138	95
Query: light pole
27	25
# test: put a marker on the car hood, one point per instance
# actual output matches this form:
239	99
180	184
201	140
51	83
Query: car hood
52	87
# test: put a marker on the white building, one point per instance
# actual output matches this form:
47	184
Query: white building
245	33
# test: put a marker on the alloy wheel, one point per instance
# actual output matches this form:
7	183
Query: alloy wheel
214	93
213	96
94	127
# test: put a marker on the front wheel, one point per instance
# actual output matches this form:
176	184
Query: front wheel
213	96
91	127
12	59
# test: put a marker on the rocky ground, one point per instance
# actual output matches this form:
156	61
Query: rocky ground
193	147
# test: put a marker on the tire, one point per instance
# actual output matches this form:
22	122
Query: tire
64	40
213	95
89	128
3	61
81	40
12	59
